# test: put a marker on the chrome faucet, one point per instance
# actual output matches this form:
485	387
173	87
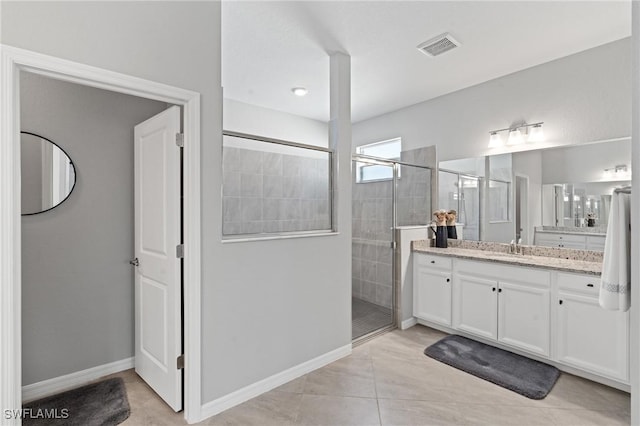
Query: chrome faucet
516	248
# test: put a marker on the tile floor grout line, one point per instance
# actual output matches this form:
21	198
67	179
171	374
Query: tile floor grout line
375	387
304	384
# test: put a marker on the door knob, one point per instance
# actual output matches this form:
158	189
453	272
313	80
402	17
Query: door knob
134	262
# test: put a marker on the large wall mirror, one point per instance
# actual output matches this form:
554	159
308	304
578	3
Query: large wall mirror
48	174
539	195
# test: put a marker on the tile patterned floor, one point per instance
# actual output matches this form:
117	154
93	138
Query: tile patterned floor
388	381
367	317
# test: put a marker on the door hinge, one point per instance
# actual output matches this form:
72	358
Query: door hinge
180	139
393	245
180	251
180	362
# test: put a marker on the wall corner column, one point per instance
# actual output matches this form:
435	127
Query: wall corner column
634	354
340	141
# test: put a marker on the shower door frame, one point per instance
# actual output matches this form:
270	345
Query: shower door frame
396	312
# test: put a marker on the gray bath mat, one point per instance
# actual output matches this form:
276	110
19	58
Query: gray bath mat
525	376
98	404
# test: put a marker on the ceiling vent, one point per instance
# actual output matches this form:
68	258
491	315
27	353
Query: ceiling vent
438	45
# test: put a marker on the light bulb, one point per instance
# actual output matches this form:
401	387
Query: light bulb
515	137
495	140
536	134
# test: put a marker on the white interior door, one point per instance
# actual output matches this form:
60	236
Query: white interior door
158	323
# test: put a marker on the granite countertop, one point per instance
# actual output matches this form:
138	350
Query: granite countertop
590	266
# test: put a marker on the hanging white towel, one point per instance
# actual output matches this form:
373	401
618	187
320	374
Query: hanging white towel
616	268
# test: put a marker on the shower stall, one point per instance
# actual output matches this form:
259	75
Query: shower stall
387	194
462	192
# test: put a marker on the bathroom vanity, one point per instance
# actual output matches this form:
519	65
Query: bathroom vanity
576	238
544	307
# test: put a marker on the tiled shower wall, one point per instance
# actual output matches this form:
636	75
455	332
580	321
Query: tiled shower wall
274	192
414	196
372	229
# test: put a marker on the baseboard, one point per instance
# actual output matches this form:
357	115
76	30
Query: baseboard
70	381
408	323
241	395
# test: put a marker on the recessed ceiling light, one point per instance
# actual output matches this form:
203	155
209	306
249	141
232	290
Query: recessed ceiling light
299	91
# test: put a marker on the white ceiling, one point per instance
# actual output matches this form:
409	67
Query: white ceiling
270	47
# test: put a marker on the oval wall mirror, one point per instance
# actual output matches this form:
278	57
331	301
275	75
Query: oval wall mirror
48	174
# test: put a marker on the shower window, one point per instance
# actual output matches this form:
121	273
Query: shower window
389	149
274	187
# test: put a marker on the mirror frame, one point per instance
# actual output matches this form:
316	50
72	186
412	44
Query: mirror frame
75	172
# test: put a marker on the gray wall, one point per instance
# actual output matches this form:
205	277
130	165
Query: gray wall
584	163
269	294
137	38
77	285
581	98
256	120
257	298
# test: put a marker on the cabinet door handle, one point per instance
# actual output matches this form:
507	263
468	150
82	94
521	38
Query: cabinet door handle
493	289
433	261
448	279
560	302
589	285
499	290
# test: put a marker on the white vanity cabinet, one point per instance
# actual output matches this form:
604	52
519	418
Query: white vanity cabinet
555	239
507	304
476	305
432	288
567	240
589	337
523	316
552	315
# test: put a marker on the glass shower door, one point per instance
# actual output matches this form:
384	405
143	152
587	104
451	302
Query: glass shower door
372	259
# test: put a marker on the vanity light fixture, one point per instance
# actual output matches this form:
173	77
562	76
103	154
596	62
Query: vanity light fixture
516	136
495	140
536	134
299	91
619	172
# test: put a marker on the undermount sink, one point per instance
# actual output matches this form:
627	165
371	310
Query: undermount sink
497	254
